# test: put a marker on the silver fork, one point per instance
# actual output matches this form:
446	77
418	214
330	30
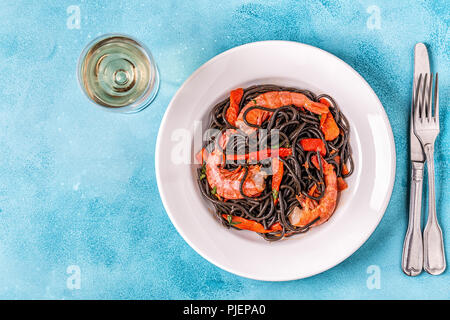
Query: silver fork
426	128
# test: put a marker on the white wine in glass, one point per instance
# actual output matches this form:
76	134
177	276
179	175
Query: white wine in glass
118	73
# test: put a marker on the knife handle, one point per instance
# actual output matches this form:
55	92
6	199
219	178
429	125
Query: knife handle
412	260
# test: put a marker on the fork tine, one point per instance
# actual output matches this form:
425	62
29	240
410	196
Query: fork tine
423	101
436	100
430	99
416	101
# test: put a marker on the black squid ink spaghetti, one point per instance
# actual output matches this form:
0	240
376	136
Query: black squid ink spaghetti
275	160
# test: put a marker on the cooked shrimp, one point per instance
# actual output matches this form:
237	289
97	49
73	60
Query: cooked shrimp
227	183
274	100
310	211
224	137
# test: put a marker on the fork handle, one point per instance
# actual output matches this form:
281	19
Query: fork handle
412	259
434	255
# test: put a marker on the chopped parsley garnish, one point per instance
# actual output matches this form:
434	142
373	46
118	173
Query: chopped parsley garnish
275	194
230	220
203	172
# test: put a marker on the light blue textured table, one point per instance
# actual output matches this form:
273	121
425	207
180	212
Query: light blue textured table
80	214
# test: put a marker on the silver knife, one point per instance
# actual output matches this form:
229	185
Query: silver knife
412	260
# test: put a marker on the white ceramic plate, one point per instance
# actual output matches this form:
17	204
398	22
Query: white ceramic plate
360	207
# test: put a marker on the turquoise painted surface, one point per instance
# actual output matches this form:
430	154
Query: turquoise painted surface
78	184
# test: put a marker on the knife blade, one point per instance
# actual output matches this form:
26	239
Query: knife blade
412	259
421	65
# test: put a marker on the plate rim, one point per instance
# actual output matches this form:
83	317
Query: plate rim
392	152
